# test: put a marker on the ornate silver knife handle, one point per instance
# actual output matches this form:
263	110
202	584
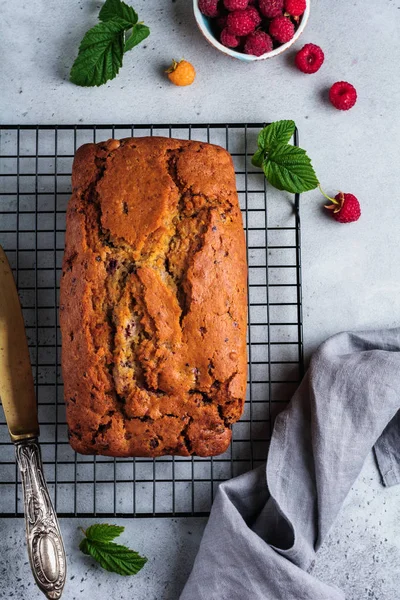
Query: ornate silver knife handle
43	535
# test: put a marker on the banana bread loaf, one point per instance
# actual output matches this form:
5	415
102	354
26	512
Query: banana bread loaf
153	299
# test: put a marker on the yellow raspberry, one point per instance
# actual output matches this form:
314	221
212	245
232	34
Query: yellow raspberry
181	73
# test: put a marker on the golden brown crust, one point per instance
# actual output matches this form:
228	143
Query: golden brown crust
153	299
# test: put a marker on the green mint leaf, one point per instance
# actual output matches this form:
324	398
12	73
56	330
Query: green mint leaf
258	158
279	132
100	53
113	557
289	168
139	33
116	8
102	532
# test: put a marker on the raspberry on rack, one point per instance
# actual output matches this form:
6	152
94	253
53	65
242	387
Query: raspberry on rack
240	22
281	29
343	95
258	43
309	59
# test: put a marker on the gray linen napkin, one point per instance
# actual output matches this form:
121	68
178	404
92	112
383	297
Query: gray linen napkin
266	525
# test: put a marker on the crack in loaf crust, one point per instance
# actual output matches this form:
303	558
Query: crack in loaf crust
153	299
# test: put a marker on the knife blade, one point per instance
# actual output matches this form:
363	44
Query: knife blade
45	546
16	382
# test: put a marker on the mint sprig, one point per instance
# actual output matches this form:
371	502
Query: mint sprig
286	167
103	46
98	543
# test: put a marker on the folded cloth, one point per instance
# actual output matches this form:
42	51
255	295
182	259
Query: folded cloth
266	526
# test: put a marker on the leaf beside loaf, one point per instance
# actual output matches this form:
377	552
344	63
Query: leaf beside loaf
102	532
286	167
289	168
279	132
258	158
113	557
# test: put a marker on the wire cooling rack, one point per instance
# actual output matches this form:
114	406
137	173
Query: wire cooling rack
35	174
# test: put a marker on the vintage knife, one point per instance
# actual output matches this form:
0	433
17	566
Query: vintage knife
45	545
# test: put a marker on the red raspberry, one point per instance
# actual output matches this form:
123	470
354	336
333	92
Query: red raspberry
309	59
345	208
281	29
251	10
258	43
228	39
240	22
271	8
343	95
236	4
209	8
295	7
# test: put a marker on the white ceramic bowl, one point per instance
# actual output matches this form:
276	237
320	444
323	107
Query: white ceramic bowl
205	28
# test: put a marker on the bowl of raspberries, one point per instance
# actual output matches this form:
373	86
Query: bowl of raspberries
251	29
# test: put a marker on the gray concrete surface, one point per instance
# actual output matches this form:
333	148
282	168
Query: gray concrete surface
351	273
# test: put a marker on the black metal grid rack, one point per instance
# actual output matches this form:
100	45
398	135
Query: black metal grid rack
35	170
